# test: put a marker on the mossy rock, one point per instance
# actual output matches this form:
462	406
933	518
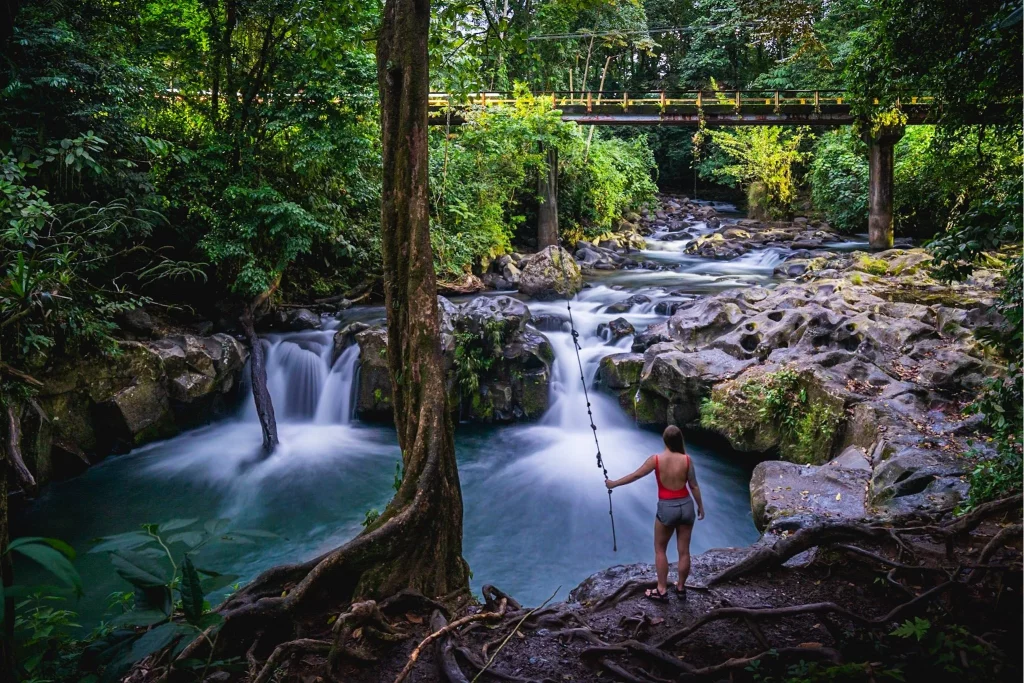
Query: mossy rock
763	410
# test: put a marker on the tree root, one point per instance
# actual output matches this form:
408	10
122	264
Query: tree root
443	651
475	663
285	650
444	631
791	610
769	557
743	662
970	521
623	592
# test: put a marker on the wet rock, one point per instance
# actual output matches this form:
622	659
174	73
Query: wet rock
783	489
616	329
654	334
909	472
668	306
137	324
110	404
497	368
626	305
550	274
373	394
492	314
346	337
301	319
681	380
550	322
620	371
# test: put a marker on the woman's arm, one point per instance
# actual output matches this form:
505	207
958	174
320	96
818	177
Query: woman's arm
640	472
691	480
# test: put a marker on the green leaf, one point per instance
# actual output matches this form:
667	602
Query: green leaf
177	524
54	543
215	583
143	646
189	538
157	598
54	562
191	590
254	533
125	541
137	617
140	570
214	526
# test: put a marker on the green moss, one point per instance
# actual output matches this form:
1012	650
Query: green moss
776	408
856	279
872	266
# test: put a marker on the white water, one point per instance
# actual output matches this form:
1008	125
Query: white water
536	510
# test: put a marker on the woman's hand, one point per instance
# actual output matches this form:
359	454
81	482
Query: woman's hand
700	512
609	483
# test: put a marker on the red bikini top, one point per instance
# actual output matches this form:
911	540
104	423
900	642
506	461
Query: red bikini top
670	494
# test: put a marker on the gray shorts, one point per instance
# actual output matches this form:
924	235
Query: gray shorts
676	512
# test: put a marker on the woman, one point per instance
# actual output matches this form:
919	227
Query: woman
674	471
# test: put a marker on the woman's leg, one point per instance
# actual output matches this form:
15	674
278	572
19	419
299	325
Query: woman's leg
683	533
662	535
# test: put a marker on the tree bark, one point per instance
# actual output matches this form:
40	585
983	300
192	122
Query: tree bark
7	661
547	211
258	379
417	542
433	562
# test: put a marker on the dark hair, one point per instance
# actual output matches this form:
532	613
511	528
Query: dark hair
673	438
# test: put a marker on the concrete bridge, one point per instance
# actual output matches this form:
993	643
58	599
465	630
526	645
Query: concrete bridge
718	108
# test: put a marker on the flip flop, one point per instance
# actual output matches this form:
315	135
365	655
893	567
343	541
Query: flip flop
654	595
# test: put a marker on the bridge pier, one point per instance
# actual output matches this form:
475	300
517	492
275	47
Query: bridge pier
547	211
880	185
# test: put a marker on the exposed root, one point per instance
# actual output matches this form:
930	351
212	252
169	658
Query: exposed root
285	650
743	662
444	631
443	651
769	557
791	610
623	592
970	521
475	663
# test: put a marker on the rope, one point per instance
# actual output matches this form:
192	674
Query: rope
590	414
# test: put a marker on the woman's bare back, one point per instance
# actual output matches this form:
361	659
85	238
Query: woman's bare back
673	469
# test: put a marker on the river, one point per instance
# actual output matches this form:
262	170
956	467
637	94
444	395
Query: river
536	510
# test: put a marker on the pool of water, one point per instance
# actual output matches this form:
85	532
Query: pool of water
536	510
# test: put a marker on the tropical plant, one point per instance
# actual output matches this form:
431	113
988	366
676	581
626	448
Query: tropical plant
169	606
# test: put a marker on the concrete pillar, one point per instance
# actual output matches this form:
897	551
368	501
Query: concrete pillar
547	212
880	192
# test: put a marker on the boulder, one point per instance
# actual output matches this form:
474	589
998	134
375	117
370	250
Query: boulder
683	379
300	319
373	395
346	337
550	274
626	305
101	405
783	489
501	315
620	371
616	329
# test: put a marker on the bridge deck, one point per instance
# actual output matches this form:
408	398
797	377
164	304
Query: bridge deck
737	108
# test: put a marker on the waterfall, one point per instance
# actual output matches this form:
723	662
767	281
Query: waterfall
305	385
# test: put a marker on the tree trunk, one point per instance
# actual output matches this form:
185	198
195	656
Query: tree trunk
433	562
7	661
258	379
547	211
417	542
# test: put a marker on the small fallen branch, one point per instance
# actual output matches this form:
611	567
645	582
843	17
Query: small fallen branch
792	610
490	660
407	669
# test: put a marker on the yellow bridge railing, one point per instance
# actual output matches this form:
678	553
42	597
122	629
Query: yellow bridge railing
624	101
